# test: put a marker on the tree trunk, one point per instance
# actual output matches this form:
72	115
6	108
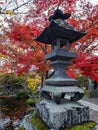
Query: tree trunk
42	85
89	84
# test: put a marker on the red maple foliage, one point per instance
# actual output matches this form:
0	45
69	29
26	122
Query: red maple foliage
88	65
84	18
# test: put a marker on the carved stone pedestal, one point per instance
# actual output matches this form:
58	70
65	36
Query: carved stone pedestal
63	115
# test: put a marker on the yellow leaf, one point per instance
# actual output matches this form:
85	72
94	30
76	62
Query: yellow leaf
11	13
1	55
33	83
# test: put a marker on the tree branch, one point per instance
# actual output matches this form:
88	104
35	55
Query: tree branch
21	5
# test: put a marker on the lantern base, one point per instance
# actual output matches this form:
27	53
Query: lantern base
62	116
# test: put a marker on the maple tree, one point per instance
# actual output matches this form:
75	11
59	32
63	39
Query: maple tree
23	31
88	45
88	65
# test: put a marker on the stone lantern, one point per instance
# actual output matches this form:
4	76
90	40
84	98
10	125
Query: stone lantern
59	107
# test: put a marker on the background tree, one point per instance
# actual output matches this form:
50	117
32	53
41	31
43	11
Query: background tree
23	30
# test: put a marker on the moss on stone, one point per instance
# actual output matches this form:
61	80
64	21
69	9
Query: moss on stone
21	129
39	124
84	126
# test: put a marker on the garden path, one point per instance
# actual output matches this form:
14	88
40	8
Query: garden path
93	105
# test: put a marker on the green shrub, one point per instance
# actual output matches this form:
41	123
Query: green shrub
82	81
92	94
18	81
12	80
33	95
21	94
31	102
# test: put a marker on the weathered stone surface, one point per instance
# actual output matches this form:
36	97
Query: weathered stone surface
26	123
63	115
60	54
57	89
53	31
71	93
